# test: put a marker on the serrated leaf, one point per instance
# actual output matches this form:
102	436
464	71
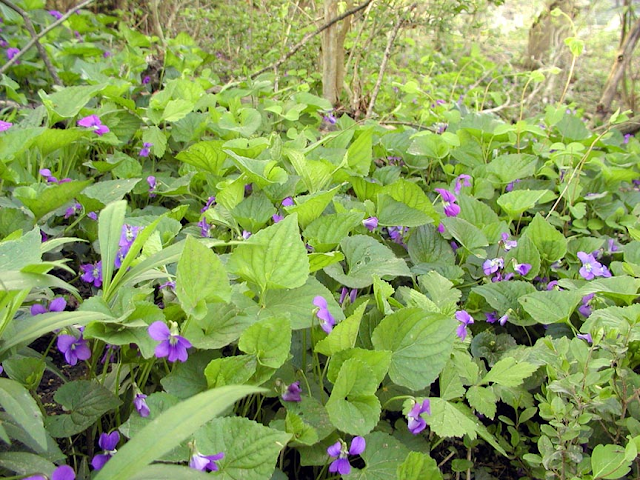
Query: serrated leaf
359	154
468	236
508	372
418	466
537	305
344	334
519	201
421	343
451	420
269	341
483	400
426	245
205	156
377	360
328	231
310	207
52	197
383	456
551	244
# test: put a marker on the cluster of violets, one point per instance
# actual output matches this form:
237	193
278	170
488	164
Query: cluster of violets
94	123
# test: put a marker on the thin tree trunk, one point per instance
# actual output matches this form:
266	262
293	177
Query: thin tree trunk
617	70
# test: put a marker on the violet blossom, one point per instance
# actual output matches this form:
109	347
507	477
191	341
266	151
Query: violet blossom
585	307
72	210
205	463
522	268
210	201
591	268
277	218
492	317
462	181
340	452
146	149
4	126
352	295
416	423
55	14
56	305
492	265
585	336
151	180
108	443
451	209
140	405
287	202
93	122
292	393
506	243
205	228
63	472
92	273
327	322
12	52
465	320
73	348
370	223
397	234
172	345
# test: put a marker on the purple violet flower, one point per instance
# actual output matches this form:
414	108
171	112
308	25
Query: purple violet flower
339	451
55	14
146	80
416	423
246	234
151	180
327	322
63	472
492	265
73	348
591	268
4	126
503	319
287	202
462	181
92	215
108	443
585	307
509	187
627	136
522	268
12	52
465	320
585	336
56	305
140	405
277	218
92	273
93	122
441	228
205	228
553	285
171	345
353	293
205	463
146	149
506	243
370	223
72	210
451	209
492	317
397	234
329	118
45	172
292	394
207	205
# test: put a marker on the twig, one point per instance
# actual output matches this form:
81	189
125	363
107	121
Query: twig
308	37
385	60
34	40
29	26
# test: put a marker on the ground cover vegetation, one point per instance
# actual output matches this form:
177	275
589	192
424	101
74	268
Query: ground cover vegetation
208	271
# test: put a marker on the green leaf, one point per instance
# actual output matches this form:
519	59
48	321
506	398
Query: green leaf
169	472
610	462
250	121
551	244
53	138
22	408
404	203
234	370
421	343
250	449
51	197
418	466
260	172
326	232
366	257
502	296
359	154
25	250
171	428
253	212
519	201
200	279
451	420
525	252
353	406
273	258
68	102
110	224
96	196
310	207
205	156
383	456
467	235
319	261
508	372
483	400
426	245
86	402
537	305
302	433
343	336
187	378
176	110
377	360
25	463
440	291
269	341
508	168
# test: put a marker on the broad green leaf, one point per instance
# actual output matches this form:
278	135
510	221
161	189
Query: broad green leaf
343	336
366	257
169	429
476	212
273	258
164	471
250	449
421	343
269	341
16	254
537	305
25	463
359	153
69	101
426	245
176	110
96	196
110	224
85	401
187	378
319	261
353	406
404	203
382	457
234	370
53	138
377	360
205	156
260	172
508	168
249	122
551	244
502	296
620	287
19	405
429	145
50	197
327	231
525	252
610	462
313	413
467	235
418	466
254	212
519	201
451	420
200	279
365	189
303	434
310	207
621	320
508	372
441	291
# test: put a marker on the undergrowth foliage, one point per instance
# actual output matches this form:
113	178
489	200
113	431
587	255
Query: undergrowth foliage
249	284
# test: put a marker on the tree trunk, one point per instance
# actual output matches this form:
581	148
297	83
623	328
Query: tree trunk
617	70
547	34
333	52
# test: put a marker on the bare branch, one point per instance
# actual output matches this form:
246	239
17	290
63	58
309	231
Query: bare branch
292	51
35	39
